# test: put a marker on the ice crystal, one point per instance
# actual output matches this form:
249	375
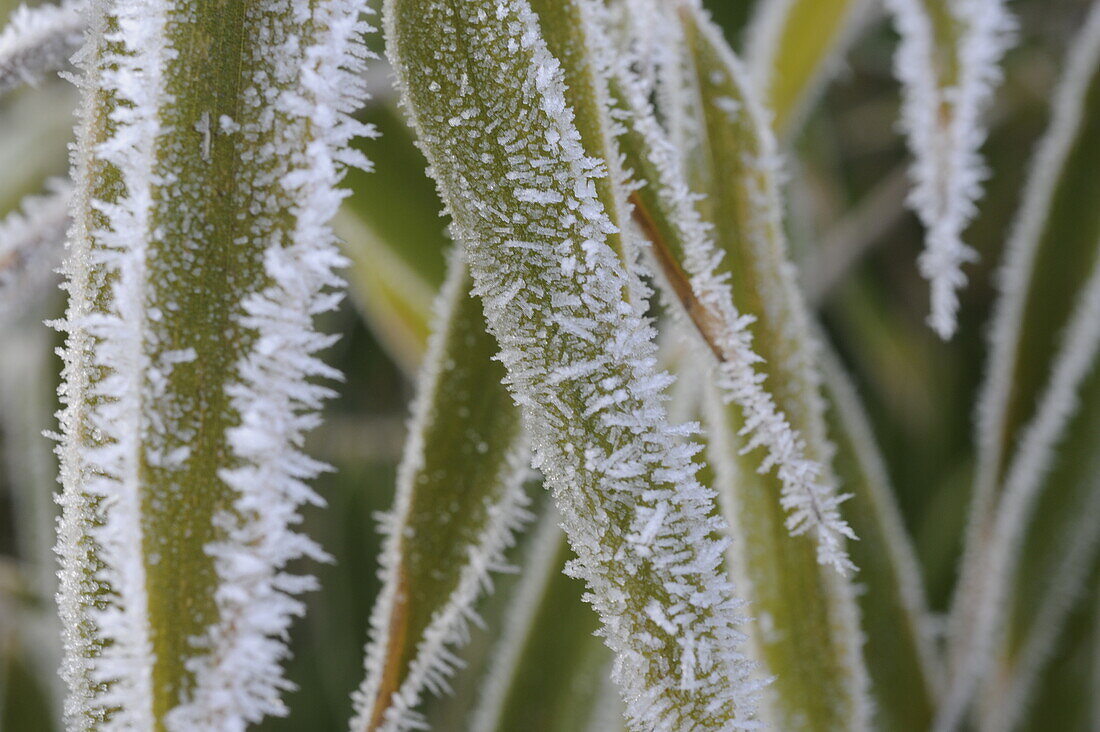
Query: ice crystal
1005	499
433	661
118	410
948	62
580	358
811	501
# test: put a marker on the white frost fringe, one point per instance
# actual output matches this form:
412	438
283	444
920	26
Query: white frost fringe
1016	695
31	243
649	502
433	662
39	40
1014	277
1022	249
945	130
240	679
808	496
107	471
999	558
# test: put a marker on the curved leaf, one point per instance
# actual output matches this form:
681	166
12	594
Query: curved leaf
901	658
449	527
487	99
1042	347
807	628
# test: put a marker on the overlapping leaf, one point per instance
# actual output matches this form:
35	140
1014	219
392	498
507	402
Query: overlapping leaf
1038	399
488	102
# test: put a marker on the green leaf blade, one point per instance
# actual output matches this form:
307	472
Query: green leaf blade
513	173
449	525
807	629
901	659
1037	398
211	146
793	48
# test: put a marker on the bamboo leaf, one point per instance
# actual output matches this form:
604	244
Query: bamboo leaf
487	99
794	46
1041	368
199	253
948	63
39	40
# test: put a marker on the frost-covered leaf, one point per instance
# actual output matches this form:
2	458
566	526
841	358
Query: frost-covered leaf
698	278
459	499
1057	556
794	46
572	32
198	255
901	659
31	243
38	40
488	102
1065	695
548	672
466	451
1040	368
948	63
807	628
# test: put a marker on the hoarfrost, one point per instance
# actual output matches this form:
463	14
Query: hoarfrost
602	439
433	661
112	430
808	496
1004	500
942	109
